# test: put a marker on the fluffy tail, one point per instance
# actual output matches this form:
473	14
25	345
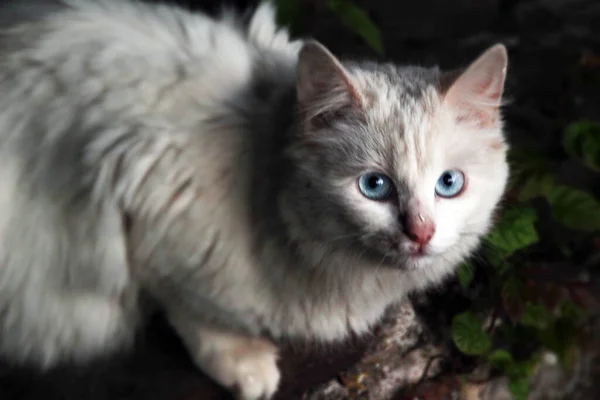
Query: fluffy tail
262	30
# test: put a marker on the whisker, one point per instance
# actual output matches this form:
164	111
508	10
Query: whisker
348	236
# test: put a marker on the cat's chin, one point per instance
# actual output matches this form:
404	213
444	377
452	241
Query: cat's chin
419	260
409	261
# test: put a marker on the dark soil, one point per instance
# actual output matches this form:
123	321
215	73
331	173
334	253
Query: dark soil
553	79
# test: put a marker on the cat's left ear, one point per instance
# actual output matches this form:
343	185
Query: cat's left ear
476	94
323	85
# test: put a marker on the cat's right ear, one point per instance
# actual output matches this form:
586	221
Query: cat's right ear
476	93
323	85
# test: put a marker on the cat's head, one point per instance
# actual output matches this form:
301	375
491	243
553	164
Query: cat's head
402	166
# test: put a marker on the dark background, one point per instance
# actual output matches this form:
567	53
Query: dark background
553	79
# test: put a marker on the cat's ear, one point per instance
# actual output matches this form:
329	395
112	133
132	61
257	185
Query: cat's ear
476	93
323	85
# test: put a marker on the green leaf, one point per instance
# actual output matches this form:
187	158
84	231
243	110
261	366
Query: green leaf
537	316
530	170
501	359
570	357
559	337
523	368
512	298
566	250
288	13
537	184
519	387
582	141
572	311
358	21
574	208
519	375
466	273
469	336
515	231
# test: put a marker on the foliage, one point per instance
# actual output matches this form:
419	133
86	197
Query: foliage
358	21
466	273
516	371
574	208
581	141
290	13
515	231
469	336
530	311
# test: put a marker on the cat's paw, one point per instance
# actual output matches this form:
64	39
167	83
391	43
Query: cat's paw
247	366
254	374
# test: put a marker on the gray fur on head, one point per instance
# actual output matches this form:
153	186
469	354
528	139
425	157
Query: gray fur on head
217	166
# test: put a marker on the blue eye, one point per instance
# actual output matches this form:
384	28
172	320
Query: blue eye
375	186
450	184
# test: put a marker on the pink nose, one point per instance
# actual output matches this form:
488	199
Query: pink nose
419	228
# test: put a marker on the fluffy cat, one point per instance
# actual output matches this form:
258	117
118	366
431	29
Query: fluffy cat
254	187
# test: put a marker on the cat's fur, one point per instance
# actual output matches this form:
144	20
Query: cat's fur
205	162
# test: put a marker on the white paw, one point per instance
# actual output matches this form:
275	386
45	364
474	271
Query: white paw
248	368
255	376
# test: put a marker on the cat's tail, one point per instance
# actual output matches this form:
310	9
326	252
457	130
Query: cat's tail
262	31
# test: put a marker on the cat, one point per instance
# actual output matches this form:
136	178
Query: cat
254	187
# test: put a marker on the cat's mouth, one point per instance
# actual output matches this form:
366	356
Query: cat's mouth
409	260
420	258
399	252
417	251
419	254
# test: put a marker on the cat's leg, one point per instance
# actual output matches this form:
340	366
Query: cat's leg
190	247
245	365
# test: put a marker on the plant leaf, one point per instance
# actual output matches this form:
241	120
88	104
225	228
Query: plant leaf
537	184
288	13
515	231
469	336
582	141
523	368
572	311
536	315
358	21
574	208
519	387
512	298
526	163
501	359
559	337
570	357
466	273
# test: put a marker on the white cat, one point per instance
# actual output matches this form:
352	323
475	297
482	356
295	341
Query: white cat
256	188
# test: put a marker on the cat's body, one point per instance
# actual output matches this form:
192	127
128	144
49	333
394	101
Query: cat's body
145	148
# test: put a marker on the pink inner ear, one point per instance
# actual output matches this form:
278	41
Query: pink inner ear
481	118
324	86
479	106
488	90
476	94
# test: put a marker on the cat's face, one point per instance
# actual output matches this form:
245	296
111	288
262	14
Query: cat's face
396	165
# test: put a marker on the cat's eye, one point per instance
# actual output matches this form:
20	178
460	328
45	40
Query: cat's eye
376	186
450	184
